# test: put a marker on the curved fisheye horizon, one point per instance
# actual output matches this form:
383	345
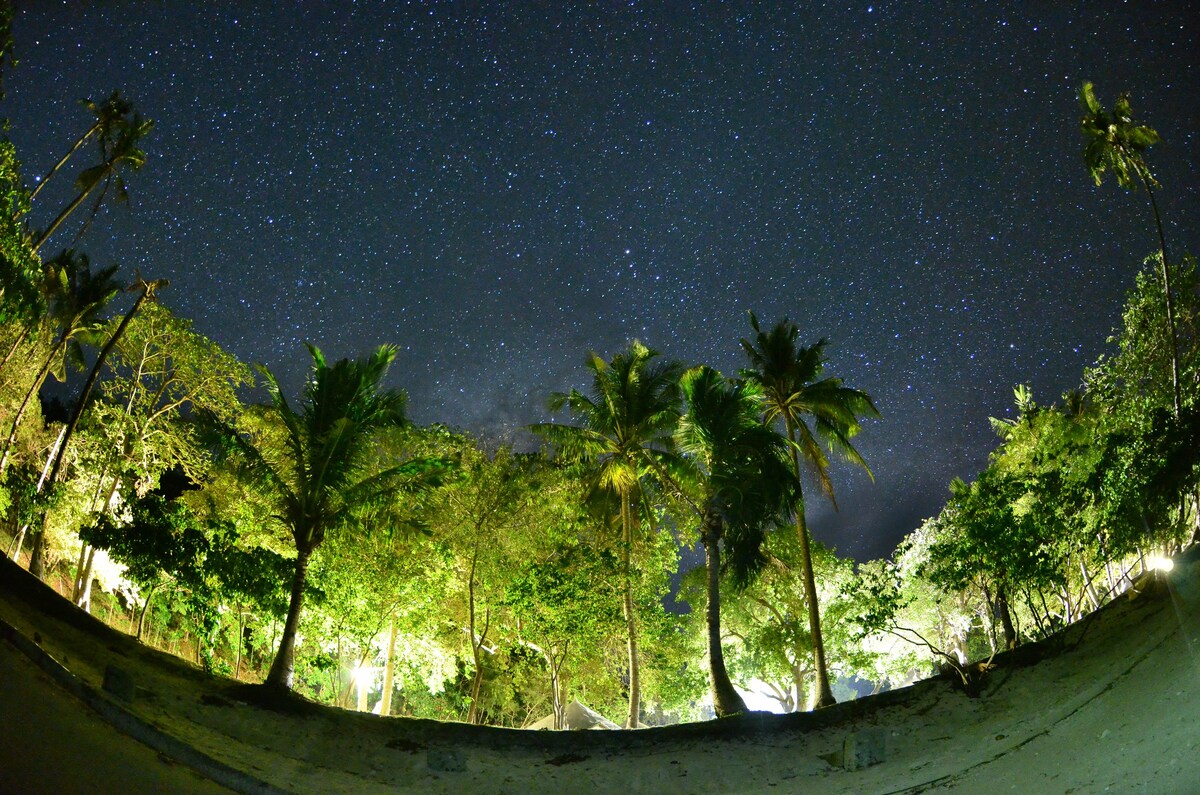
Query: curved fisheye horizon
442	372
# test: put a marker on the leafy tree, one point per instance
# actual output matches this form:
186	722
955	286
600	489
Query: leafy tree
164	544
148	290
625	438
1114	142
745	485
926	623
482	519
78	297
795	394
561	610
1148	472
159	372
21	279
312	470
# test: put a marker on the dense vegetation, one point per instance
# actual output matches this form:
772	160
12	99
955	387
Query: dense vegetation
321	542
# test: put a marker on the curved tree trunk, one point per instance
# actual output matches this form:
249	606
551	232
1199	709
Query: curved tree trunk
95	128
283	667
148	288
1170	305
141	625
726	700
30	395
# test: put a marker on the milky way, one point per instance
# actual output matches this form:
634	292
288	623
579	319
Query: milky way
498	188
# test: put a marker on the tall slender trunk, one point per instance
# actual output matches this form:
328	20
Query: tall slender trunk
85	595
1010	633
726	700
797	685
141	625
36	564
473	712
633	718
1170	305
389	670
1088	585
283	667
38	380
822	692
62	216
78	587
363	687
241	641
21	335
63	160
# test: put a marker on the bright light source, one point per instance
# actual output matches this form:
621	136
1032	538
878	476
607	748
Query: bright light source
1158	563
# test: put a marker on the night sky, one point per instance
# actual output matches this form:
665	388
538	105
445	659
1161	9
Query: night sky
498	188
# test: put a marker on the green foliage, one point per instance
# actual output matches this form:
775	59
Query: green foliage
162	543
21	297
816	412
743	477
1113	142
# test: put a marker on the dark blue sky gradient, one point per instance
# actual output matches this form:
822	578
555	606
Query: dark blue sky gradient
498	188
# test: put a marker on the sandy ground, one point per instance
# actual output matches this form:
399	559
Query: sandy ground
1112	705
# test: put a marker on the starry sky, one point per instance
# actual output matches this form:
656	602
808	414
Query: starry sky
499	187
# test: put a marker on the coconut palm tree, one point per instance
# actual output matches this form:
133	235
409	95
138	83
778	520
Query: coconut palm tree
745	487
795	395
625	436
77	298
1113	142
123	153
146	292
111	114
318	471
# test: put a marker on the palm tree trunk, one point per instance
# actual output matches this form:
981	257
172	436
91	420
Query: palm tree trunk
726	700
389	670
1170	305
30	394
62	216
823	695
21	335
283	667
63	161
141	625
822	692
633	718
35	563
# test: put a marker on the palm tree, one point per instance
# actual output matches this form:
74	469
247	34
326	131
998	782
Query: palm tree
793	390
77	298
147	293
746	486
625	436
318	472
121	154
110	116
1113	142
